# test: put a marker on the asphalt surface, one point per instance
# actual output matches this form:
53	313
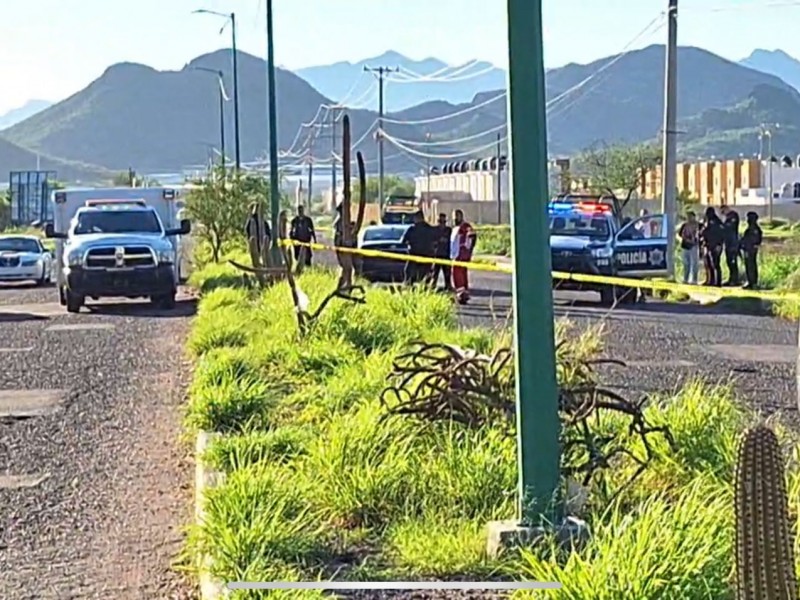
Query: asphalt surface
665	344
95	484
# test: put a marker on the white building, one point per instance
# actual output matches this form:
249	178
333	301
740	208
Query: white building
474	180
784	179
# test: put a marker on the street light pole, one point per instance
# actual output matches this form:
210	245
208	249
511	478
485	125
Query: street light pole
274	183
766	130
237	146
538	422
222	98
234	52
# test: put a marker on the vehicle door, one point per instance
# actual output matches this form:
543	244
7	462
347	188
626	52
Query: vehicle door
640	247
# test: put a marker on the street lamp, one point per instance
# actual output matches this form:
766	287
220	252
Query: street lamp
222	99
232	18
766	131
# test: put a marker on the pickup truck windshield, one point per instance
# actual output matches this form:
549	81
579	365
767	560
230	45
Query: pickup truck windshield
19	245
577	224
117	221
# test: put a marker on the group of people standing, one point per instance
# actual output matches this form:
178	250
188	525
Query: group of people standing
716	237
442	242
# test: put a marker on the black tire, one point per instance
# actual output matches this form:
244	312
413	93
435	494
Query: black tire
608	295
62	296
165	301
626	295
74	302
42	281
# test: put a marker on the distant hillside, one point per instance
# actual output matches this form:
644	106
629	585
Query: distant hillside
136	116
151	120
17	115
348	81
734	130
14	158
775	62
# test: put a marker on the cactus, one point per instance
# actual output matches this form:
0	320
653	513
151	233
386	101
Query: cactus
350	228
765	566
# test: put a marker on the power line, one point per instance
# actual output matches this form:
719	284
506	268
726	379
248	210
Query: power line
453	142
381	73
449	79
400	146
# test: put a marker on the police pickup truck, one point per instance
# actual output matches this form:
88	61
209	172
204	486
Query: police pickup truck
587	238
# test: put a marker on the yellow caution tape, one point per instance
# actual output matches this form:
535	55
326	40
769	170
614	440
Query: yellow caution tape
627	282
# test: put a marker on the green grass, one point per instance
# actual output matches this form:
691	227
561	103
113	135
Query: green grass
319	483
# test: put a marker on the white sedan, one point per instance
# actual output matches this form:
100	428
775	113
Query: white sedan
24	258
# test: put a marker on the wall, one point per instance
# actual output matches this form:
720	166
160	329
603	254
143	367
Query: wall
477	213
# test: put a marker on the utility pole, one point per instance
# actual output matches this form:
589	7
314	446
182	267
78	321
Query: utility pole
274	181
381	71
310	168
428	171
237	146
499	182
669	157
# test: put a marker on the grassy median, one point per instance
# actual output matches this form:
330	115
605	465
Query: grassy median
320	484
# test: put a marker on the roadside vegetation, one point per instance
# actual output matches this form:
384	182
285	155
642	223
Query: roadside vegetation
321	481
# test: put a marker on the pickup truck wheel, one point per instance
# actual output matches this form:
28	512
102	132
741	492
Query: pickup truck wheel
607	295
165	301
62	296
74	302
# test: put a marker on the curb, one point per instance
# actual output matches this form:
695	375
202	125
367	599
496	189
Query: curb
205	478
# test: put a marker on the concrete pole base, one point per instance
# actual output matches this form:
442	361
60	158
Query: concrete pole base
510	535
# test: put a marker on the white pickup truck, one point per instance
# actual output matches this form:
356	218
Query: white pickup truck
119	242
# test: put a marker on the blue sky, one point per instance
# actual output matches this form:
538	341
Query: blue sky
53	48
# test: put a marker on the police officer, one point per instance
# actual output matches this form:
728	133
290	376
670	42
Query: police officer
750	243
712	237
419	238
442	251
731	241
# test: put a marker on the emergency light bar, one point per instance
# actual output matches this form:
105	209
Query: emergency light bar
115	202
584	207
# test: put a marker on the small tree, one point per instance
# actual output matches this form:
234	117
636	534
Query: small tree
220	205
618	170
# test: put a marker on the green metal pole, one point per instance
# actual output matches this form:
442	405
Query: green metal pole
274	182
537	392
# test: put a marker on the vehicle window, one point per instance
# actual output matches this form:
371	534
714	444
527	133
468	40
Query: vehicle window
586	225
383	234
644	228
12	244
117	221
398	218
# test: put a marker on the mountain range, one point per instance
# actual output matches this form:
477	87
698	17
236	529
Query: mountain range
411	82
136	116
17	115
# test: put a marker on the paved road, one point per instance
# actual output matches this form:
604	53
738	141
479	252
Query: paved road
94	485
665	344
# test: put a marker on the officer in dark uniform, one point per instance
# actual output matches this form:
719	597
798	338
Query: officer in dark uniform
420	241
750	243
442	251
731	230
712	236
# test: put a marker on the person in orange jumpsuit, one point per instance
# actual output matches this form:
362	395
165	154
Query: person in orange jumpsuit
462	244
